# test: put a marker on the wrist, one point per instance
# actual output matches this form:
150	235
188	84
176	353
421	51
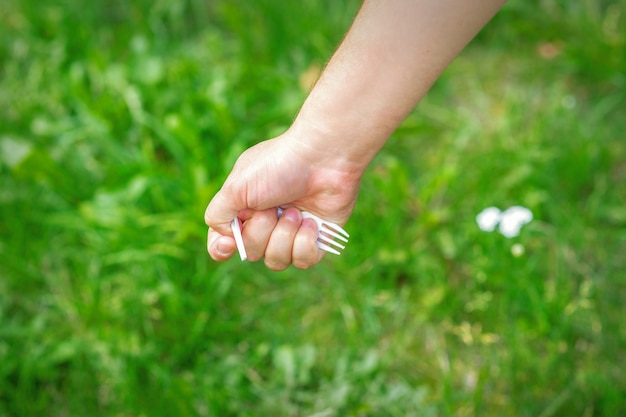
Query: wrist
339	139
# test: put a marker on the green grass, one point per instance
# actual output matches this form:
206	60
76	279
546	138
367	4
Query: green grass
120	121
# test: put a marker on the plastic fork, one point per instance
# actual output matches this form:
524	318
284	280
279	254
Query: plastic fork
327	233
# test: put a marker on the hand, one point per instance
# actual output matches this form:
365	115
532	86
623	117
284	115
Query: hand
282	172
384	66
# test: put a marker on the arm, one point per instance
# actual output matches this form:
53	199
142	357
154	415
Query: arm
389	59
392	55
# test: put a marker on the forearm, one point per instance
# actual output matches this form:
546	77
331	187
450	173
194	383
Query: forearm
391	56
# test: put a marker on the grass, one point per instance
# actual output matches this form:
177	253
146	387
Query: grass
120	120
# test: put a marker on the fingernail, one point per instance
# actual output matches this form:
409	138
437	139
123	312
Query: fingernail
221	249
292	214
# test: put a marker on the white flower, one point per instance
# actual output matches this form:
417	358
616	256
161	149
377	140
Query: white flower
488	219
510	220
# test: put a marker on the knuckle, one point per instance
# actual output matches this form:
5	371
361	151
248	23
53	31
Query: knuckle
303	264
275	266
254	257
307	261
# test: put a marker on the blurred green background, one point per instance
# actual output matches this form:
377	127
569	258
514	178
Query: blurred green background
120	119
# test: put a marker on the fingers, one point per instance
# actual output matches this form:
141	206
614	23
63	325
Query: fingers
280	245
305	253
258	227
221	248
219	213
281	241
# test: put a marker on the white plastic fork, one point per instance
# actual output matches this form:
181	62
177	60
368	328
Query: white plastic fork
327	233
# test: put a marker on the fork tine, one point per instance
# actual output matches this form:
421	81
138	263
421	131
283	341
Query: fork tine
328	240
325	229
327	248
336	228
325	223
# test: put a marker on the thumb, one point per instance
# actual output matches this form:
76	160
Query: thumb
220	212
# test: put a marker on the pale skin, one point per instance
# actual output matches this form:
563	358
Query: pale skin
392	54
